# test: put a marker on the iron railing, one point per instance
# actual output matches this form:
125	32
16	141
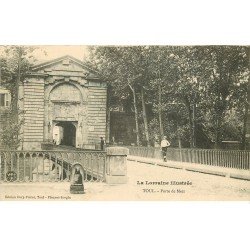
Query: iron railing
51	166
225	158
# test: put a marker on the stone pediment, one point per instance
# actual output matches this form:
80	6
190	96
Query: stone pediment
65	66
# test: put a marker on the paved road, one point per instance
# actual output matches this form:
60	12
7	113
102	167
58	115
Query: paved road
236	173
145	182
203	187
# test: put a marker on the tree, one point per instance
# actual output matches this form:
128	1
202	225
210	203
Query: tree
210	82
184	85
15	63
184	91
136	69
228	68
246	95
117	65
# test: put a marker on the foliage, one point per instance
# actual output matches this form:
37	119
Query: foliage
187	90
179	91
10	137
15	62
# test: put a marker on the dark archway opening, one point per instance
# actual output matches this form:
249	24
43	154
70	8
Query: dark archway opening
68	134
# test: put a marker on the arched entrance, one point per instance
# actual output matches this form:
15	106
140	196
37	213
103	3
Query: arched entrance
64	109
64	133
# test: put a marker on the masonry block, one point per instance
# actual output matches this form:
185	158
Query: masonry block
116	165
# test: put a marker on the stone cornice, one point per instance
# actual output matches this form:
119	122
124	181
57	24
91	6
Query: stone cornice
54	61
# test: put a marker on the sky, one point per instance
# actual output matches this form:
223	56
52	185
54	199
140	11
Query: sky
54	51
49	52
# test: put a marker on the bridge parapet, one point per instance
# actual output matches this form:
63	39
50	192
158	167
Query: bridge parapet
237	159
50	166
116	172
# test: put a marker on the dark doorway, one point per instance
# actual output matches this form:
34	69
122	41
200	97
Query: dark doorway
68	136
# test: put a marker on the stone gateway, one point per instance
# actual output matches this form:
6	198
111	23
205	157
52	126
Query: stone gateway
63	102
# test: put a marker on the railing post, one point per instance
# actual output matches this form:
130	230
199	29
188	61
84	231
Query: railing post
116	172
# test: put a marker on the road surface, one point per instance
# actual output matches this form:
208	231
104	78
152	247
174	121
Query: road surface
145	182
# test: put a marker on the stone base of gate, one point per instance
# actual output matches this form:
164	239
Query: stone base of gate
116	165
116	179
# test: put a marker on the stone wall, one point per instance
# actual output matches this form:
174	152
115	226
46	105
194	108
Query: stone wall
97	99
33	106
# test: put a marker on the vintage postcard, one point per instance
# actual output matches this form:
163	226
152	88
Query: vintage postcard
124	123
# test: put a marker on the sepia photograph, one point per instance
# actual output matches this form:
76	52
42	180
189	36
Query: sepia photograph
124	123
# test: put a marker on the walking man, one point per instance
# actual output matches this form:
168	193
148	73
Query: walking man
164	146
